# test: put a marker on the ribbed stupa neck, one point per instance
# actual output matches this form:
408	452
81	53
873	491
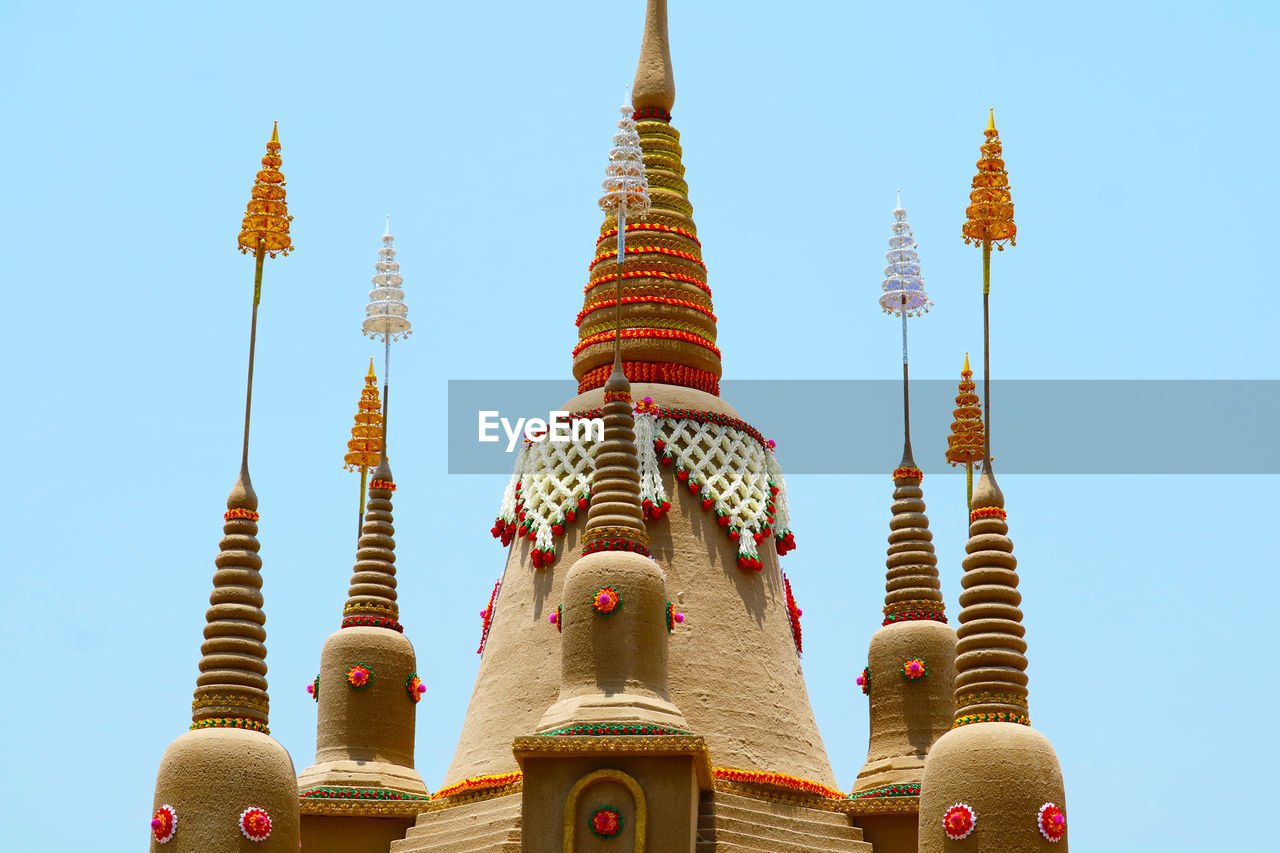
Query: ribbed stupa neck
371	598
615	521
991	680
231	690
668	322
912	591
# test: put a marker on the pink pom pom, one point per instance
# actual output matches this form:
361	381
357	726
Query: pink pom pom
422	688
679	617
311	688
799	612
603	599
155	823
861	680
552	618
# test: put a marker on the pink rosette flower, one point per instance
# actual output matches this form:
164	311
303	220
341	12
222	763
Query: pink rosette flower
959	821
255	823
1052	822
164	824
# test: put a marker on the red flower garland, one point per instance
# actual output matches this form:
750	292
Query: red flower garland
478	783
779	780
487	616
641	250
372	622
612	277
959	821
164	824
908	473
988	512
385	485
606	822
247	514
1052	822
793	614
650	226
661	372
640	334
638	300
255	823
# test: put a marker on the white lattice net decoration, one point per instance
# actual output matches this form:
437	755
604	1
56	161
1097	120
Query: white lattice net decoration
386	315
903	287
734	473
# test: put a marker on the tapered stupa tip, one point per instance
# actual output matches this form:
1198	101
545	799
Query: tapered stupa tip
987	493
242	494
655	84
275	131
991	119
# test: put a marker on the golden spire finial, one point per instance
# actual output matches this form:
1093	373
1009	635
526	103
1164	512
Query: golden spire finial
655	84
990	212
963	371
373	376
266	216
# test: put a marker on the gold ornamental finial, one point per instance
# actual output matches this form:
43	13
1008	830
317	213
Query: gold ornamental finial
266	216
965	444
990	211
365	447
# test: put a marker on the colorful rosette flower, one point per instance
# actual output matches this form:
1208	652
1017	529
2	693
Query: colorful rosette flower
914	669
359	676
606	822
606	601
415	688
314	689
1052	822
864	681
557	618
959	821
165	823
255	823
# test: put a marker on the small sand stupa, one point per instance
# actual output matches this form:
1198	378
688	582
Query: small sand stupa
226	780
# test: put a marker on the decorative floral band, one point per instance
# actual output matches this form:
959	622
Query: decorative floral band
606	601
1052	822
607	255
777	780
605	822
358	794
486	616
371	606
969	700
617	396
969	719
593	534
247	514
649	226
231	723
988	512
673	619
414	687
644	334
615	545
478	783
255	824
372	622
662	372
908	790
557	618
314	689
913	604
662	274
228	700
915	669
651	113
915	616
958	821
359	675
606	729
385	485
908	474
645	300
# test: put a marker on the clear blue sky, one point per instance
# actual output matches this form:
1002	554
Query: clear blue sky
1140	139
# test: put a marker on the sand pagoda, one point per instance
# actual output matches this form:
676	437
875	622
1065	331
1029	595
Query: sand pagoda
639	685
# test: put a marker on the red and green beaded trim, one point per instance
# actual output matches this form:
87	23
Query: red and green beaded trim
246	514
231	723
651	113
358	794
607	729
988	512
645	334
612	277
908	473
615	545
650	226
386	485
916	616
969	719
371	622
909	790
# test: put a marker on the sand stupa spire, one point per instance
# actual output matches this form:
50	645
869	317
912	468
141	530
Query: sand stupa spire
225	780
992	776
669	326
911	659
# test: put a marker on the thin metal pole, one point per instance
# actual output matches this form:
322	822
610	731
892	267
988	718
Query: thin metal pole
986	352
364	478
253	340
617	289
906	394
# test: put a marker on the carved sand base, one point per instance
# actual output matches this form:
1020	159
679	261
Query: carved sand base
332	834
1005	772
364	737
210	776
906	717
654	783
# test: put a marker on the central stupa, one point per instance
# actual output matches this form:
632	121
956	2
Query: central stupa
713	497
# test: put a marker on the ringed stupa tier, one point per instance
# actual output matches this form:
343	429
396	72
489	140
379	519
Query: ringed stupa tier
711	492
669	326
